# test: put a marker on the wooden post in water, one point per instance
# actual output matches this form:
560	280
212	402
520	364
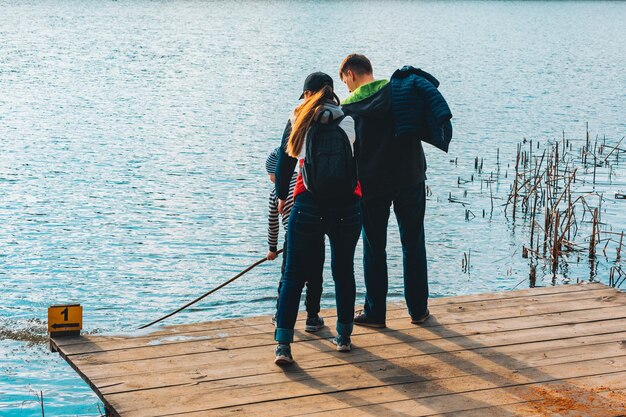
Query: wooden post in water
555	245
595	160
556	168
515	181
592	241
570	209
546	232
532	221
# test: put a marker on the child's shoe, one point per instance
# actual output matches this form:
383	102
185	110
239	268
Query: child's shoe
314	324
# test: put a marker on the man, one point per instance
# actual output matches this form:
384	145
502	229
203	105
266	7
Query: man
392	170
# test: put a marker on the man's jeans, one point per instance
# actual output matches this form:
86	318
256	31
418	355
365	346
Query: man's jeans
314	287
409	205
308	223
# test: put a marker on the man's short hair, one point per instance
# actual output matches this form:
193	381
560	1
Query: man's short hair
357	63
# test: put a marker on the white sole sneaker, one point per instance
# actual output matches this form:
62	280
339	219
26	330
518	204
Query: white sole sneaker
282	355
342	347
283	360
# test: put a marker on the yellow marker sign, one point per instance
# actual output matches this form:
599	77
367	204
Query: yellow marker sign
65	319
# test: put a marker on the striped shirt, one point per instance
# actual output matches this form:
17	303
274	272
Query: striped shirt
273	226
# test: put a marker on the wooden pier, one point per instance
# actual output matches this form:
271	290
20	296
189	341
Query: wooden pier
557	351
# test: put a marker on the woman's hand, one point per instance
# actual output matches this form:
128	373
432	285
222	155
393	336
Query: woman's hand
281	206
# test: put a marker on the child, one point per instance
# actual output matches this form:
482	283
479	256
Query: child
313	288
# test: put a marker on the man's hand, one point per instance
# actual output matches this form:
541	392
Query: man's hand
281	206
271	255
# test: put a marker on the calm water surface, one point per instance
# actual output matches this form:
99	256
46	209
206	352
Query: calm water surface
133	137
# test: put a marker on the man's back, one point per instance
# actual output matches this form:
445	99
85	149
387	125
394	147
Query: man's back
385	163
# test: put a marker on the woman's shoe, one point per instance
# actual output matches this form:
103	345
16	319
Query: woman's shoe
283	354
343	343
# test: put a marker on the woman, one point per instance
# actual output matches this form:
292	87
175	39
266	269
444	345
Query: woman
319	140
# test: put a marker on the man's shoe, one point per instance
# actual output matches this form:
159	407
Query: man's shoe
421	319
343	343
314	324
361	319
283	355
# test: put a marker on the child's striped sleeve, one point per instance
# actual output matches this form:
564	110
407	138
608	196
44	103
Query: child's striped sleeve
273	227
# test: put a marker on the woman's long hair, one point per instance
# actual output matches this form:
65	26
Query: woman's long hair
304	115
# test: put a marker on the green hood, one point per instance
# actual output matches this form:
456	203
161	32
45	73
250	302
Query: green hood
365	91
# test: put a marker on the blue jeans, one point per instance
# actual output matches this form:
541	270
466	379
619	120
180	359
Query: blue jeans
409	205
308	223
314	287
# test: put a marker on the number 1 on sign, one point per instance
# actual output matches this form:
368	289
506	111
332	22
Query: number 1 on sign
66	318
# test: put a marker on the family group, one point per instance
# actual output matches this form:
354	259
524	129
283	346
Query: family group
339	169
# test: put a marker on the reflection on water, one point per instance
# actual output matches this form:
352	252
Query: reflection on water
134	135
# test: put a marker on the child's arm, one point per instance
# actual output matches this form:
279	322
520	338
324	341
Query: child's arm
284	167
272	227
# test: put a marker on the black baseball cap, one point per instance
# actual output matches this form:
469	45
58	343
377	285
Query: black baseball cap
316	81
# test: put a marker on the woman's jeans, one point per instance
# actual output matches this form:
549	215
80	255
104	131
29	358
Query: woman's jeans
314	287
308	223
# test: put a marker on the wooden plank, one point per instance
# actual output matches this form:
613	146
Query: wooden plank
265	363
268	363
590	401
444	301
102	343
595	401
575	397
266	338
377	389
424	358
367	349
359	355
453	404
243	362
517	357
495	343
216	336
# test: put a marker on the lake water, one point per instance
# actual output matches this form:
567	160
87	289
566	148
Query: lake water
133	136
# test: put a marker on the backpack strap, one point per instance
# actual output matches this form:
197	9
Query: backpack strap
325	117
338	120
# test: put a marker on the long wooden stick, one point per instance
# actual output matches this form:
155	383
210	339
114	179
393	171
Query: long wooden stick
222	285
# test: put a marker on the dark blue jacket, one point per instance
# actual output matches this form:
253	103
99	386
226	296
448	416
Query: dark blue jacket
419	110
386	164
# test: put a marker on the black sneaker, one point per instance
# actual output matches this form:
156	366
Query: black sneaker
421	319
283	354
361	319
314	324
